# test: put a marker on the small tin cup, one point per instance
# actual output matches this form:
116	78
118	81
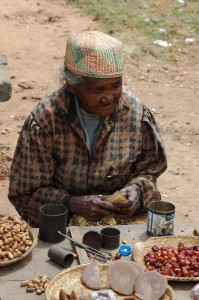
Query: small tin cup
60	256
160	218
93	239
52	218
110	238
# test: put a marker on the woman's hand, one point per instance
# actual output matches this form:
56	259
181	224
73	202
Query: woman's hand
91	207
132	204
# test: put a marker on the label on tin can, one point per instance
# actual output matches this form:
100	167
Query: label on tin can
160	224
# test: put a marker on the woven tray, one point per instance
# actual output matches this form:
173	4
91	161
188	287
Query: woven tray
33	238
141	248
70	279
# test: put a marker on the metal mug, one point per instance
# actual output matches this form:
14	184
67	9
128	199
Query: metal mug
52	218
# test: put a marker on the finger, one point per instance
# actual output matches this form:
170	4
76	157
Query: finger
101	211
124	192
97	208
109	206
95	214
126	204
129	210
102	197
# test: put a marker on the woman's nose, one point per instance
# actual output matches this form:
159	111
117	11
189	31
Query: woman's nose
109	97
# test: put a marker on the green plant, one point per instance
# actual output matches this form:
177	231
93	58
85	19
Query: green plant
139	22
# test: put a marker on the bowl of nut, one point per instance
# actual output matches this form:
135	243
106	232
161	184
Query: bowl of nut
17	240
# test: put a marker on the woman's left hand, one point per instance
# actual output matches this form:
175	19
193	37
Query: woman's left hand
132	204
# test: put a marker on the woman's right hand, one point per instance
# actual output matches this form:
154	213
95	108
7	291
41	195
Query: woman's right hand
91	207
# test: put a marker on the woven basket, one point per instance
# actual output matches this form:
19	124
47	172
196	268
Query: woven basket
141	248
33	238
70	280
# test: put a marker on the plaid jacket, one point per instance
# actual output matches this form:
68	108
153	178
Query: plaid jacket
51	159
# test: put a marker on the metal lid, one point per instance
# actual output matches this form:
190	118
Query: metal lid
93	239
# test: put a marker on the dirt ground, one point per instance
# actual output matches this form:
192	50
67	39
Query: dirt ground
33	36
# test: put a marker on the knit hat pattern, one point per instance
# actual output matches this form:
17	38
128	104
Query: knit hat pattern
94	54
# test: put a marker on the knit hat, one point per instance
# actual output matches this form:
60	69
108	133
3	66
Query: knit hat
94	54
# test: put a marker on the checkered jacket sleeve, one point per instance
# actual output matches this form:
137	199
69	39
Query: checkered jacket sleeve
152	161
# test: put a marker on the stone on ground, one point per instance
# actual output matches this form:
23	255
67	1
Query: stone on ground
5	82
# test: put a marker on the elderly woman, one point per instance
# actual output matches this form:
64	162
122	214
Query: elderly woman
88	140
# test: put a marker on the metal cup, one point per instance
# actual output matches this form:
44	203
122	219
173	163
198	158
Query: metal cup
110	238
60	256
52	218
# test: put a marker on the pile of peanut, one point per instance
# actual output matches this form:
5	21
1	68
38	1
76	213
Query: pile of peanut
15	238
36	285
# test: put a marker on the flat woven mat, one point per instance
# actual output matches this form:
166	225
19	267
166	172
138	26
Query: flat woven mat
77	220
15	230
70	280
142	248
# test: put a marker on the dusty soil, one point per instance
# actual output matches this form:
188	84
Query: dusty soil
33	36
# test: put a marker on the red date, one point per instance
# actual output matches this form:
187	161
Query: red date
180	262
117	256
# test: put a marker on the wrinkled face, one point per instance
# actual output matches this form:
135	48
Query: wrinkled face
99	95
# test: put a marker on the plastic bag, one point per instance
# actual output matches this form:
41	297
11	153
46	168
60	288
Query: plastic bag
195	292
104	295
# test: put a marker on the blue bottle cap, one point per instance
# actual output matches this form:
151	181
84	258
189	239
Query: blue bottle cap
125	250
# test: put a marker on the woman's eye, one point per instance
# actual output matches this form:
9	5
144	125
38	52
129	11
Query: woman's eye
117	86
97	91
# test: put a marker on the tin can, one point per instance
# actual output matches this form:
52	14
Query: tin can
52	218
110	238
160	218
61	256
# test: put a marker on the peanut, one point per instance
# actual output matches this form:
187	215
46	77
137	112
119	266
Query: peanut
38	292
37	285
74	255
24	283
124	242
30	289
44	279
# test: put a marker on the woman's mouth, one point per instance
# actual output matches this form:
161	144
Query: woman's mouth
107	109
107	105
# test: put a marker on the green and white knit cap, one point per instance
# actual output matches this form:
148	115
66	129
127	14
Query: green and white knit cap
94	54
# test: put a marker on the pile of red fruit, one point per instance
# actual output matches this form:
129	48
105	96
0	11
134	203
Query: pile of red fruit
180	262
